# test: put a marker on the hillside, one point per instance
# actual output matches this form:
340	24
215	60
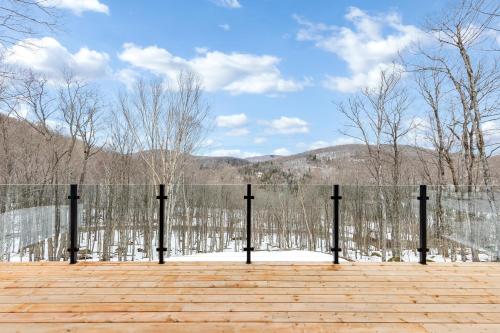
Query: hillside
25	157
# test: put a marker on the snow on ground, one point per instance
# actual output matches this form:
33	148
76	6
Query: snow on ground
293	255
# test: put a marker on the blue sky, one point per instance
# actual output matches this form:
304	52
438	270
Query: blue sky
272	68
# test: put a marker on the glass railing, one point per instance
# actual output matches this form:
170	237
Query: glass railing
33	222
117	222
379	223
464	223
292	217
376	223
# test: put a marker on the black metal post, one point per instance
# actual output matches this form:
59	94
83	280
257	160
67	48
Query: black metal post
249	198
161	224
73	223
336	208
423	224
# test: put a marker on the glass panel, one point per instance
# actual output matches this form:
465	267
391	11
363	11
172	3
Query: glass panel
205	219
464	223
118	222
33	222
293	217
379	223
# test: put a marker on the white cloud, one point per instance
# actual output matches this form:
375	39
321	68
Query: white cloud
419	132
208	143
259	140
491	131
225	26
232	153
238	132
232	72
47	56
318	145
79	6
372	43
128	76
287	125
281	151
201	50
359	80
345	140
227	3
234	120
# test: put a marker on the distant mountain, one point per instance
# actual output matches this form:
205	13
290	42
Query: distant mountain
344	164
263	158
26	156
214	162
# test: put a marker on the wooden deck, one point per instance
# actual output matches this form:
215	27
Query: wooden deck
262	297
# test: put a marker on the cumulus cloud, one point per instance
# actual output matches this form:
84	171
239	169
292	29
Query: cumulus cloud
318	144
128	76
281	151
359	80
232	153
371	44
47	56
234	120
491	131
238	132
343	140
232	72
208	143
233	4
288	125
79	6
225	27
259	140
419	132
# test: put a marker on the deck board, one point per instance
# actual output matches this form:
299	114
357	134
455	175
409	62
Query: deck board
234	297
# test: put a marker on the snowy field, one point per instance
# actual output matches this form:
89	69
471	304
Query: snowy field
294	255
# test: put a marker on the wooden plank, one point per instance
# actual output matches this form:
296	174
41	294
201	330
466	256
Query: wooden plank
248	284
214	327
364	299
226	273
373	290
462	328
141	265
247	307
258	277
255	317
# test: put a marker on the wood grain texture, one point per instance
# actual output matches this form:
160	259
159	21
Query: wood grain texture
262	297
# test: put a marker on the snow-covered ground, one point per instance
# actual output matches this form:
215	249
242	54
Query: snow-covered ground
308	256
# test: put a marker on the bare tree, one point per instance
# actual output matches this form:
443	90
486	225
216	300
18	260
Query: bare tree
21	19
378	117
167	124
461	34
80	107
439	135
